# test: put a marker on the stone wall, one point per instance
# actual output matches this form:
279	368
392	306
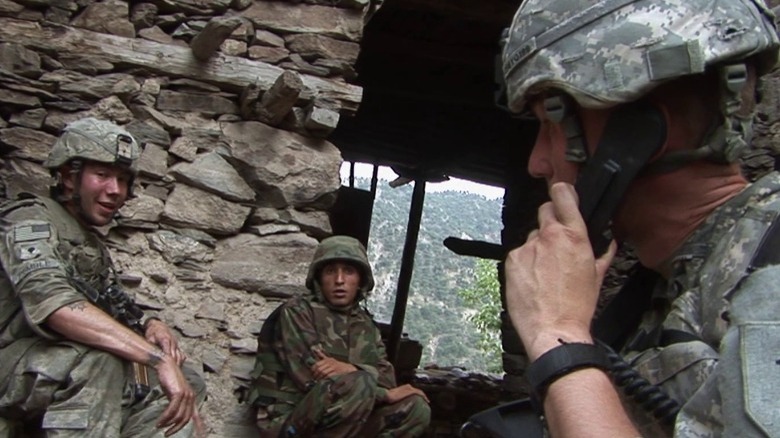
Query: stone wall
233	100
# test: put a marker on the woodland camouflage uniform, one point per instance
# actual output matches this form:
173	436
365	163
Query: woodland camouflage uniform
291	402
72	389
723	369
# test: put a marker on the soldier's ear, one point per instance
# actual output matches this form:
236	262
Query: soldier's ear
66	177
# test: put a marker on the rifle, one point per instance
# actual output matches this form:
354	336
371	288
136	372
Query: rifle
116	302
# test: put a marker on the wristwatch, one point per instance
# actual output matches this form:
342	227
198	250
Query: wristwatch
558	362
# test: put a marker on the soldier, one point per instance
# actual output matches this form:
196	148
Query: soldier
67	365
712	332
321	366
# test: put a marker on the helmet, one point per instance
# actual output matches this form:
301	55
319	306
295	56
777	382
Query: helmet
615	51
95	140
341	248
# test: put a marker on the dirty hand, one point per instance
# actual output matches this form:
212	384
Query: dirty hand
399	393
553	280
328	367
159	334
181	407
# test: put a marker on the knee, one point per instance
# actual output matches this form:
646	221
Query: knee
357	384
420	409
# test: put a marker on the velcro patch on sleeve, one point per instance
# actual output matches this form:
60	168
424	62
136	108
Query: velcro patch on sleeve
28	232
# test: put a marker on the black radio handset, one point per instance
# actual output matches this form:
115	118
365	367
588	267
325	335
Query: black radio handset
632	135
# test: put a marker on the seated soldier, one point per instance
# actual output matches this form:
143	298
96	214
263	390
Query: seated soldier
322	368
74	349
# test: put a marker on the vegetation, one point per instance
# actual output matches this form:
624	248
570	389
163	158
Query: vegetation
485	297
437	315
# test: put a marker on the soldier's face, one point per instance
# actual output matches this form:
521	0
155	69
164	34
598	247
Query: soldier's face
340	283
103	190
548	157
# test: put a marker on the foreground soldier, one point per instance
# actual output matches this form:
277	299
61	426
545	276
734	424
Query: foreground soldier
711	337
65	360
322	368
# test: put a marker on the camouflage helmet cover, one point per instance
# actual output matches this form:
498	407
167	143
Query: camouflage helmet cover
95	140
615	51
341	248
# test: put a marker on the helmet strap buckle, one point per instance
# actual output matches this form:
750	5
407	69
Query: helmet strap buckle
560	109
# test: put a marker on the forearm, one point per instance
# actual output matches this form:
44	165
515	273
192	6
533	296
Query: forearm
85	323
585	404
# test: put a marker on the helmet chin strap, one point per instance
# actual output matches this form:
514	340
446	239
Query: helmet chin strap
631	137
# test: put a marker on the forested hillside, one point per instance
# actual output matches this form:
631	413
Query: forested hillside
435	315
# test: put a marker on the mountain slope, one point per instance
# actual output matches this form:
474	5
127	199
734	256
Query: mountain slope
435	314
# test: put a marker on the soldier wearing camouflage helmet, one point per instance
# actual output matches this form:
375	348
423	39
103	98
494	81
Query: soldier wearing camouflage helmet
68	367
322	369
709	339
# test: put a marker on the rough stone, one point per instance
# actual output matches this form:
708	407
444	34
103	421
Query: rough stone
313	223
143	15
177	249
21	100
191	207
213	360
156	34
102	86
205	103
32	119
244	346
212	173
269	39
284	168
268	229
312	46
291	18
20	60
184	148
233	47
149	132
26	143
108	16
274	266
20	176
153	162
271	55
211	310
142	209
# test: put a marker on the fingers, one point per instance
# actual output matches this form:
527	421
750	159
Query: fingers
181	399
603	262
565	203
181	413
318	353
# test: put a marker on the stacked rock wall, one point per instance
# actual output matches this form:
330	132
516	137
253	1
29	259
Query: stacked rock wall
233	100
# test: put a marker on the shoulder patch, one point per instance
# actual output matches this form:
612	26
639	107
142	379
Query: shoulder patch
28	232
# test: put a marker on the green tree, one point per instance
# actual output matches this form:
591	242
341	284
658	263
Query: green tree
484	298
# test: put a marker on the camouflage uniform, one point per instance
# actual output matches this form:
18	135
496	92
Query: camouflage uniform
612	52
725	376
291	402
72	389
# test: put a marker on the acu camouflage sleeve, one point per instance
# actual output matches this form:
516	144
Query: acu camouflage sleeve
29	257
297	334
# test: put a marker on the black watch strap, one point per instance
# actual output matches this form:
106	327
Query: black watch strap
559	362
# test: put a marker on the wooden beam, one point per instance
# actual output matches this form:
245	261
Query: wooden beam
229	72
